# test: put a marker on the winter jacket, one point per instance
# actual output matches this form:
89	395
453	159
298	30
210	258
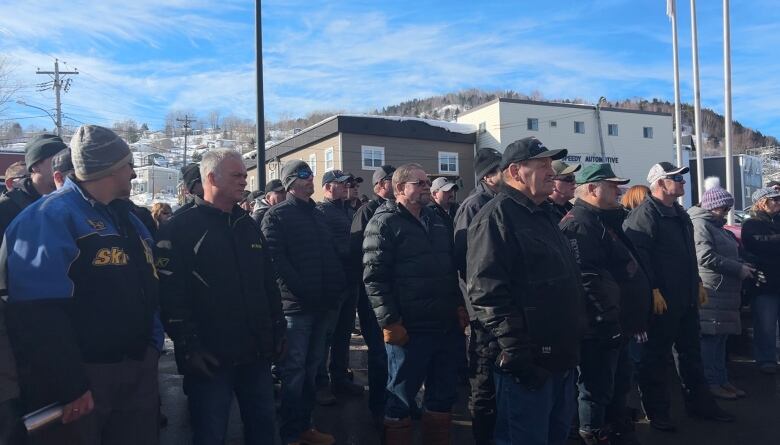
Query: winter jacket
524	282
761	238
15	200
9	382
338	217
717	252
447	216
260	209
359	222
663	236
99	299
559	211
218	290
409	271
468	209
618	295
309	273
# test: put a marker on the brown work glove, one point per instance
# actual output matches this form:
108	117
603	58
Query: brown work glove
703	297
659	303
395	334
463	318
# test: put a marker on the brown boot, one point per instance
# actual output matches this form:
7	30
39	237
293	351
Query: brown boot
436	428
398	432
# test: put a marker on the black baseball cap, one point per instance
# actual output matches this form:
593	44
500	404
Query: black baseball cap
383	172
334	176
528	148
274	185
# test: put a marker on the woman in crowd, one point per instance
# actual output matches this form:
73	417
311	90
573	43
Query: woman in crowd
161	212
722	272
761	237
634	195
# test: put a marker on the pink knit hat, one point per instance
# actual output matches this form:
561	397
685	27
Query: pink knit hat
716	198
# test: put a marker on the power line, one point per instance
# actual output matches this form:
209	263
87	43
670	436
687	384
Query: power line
58	83
187	121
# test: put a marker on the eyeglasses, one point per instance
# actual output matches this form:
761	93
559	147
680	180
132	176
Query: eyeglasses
420	182
676	178
567	178
303	174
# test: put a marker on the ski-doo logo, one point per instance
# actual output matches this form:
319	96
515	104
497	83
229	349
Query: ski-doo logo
113	256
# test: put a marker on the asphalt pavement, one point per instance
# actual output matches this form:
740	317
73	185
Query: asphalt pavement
758	415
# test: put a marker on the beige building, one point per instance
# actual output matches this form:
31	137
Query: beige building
155	179
360	144
631	140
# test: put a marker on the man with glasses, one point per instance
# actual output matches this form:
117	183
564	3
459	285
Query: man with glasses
411	282
525	286
311	280
13	174
662	233
563	187
372	334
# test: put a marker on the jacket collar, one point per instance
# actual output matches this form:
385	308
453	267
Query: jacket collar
522	199
235	212
670	212
310	204
484	189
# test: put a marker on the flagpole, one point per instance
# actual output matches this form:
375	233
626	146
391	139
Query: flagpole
697	104
727	102
671	11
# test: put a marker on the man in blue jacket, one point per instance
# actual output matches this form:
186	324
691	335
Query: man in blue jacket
98	354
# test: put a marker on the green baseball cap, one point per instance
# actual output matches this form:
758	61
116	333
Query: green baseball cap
599	172
562	169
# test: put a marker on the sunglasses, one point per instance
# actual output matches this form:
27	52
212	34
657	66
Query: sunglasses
303	174
676	178
418	182
567	178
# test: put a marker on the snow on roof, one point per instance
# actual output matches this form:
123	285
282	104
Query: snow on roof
146	200
452	127
16	148
158	168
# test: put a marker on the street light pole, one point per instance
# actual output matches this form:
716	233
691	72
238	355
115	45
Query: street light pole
21	102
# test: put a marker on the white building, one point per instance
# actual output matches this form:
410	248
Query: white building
633	140
155	179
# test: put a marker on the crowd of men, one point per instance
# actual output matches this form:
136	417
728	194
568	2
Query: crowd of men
539	287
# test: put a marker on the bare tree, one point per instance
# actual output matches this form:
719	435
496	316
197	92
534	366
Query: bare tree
8	86
214	119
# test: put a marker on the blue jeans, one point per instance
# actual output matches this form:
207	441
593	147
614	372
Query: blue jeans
377	355
209	401
429	358
306	348
534	417
766	312
605	376
323	379
713	357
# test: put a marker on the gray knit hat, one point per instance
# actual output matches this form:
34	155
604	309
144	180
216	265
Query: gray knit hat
290	171
97	152
61	162
716	198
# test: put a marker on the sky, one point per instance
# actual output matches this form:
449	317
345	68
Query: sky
145	58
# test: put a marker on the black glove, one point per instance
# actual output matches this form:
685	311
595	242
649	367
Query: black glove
523	371
201	363
12	431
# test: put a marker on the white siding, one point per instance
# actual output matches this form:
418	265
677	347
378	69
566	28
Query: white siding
488	114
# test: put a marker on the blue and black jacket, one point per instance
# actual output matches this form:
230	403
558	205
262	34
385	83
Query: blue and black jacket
81	288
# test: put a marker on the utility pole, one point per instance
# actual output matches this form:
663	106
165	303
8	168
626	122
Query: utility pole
187	121
59	84
260	128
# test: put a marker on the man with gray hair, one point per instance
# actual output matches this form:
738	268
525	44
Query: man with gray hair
88	333
662	233
311	280
221	306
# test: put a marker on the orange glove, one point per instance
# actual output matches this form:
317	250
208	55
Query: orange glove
703	297
463	318
395	334
659	303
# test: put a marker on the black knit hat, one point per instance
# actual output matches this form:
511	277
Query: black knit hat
191	176
486	160
42	147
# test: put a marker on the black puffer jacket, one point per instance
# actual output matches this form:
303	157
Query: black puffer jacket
617	292
761	237
338	217
261	208
218	287
663	237
409	271
311	277
524	282
359	222
447	216
15	200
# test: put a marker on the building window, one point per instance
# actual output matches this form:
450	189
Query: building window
373	157
553	124
313	163
612	129
647	132
448	162
482	127
579	127
533	124
329	159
